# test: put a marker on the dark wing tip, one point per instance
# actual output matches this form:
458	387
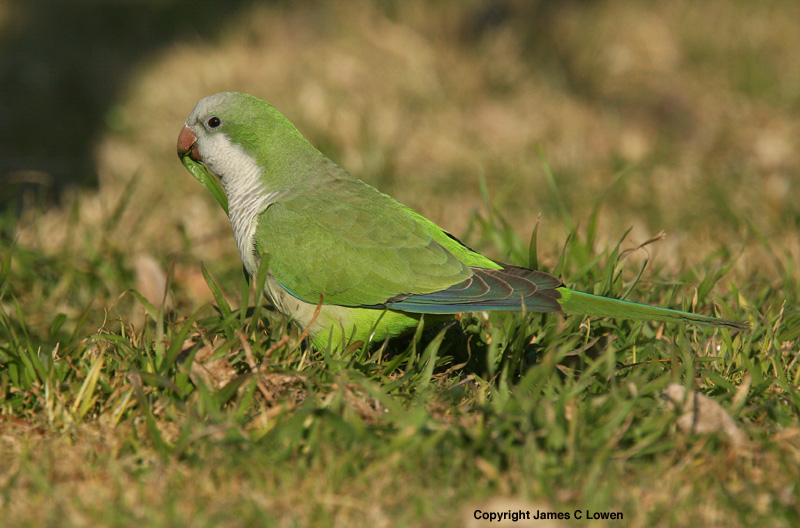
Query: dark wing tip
509	288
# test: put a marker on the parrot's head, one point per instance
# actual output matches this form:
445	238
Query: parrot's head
216	132
235	136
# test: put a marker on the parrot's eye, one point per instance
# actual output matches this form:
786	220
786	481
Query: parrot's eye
213	122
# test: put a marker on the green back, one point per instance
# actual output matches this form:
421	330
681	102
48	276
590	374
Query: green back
356	245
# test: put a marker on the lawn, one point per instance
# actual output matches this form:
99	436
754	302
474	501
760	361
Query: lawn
626	147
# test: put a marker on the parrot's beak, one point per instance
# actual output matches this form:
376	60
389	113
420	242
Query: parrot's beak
186	145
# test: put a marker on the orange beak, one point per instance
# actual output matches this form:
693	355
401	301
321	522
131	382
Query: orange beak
186	144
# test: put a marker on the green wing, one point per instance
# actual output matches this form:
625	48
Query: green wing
359	247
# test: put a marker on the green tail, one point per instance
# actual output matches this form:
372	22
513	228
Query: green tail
594	305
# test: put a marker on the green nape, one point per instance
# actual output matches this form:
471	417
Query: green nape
593	305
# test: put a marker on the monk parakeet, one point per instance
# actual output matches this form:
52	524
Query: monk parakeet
371	265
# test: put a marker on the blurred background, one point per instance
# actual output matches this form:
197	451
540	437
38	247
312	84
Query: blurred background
679	116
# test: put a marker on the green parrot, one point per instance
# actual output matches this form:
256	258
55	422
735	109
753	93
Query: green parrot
347	262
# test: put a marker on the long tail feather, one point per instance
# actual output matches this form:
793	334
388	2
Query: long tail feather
513	288
594	305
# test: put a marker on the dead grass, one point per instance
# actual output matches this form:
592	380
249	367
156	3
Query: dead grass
407	104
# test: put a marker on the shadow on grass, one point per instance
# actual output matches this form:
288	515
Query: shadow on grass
63	66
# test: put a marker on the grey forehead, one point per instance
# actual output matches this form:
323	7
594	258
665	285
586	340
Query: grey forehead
207	105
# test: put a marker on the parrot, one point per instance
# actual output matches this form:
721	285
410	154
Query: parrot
346	262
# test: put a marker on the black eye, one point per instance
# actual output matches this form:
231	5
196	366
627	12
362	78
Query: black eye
213	122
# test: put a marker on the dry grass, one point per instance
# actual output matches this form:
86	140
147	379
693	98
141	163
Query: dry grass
411	105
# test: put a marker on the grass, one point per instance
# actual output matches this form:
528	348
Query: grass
142	380
221	416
